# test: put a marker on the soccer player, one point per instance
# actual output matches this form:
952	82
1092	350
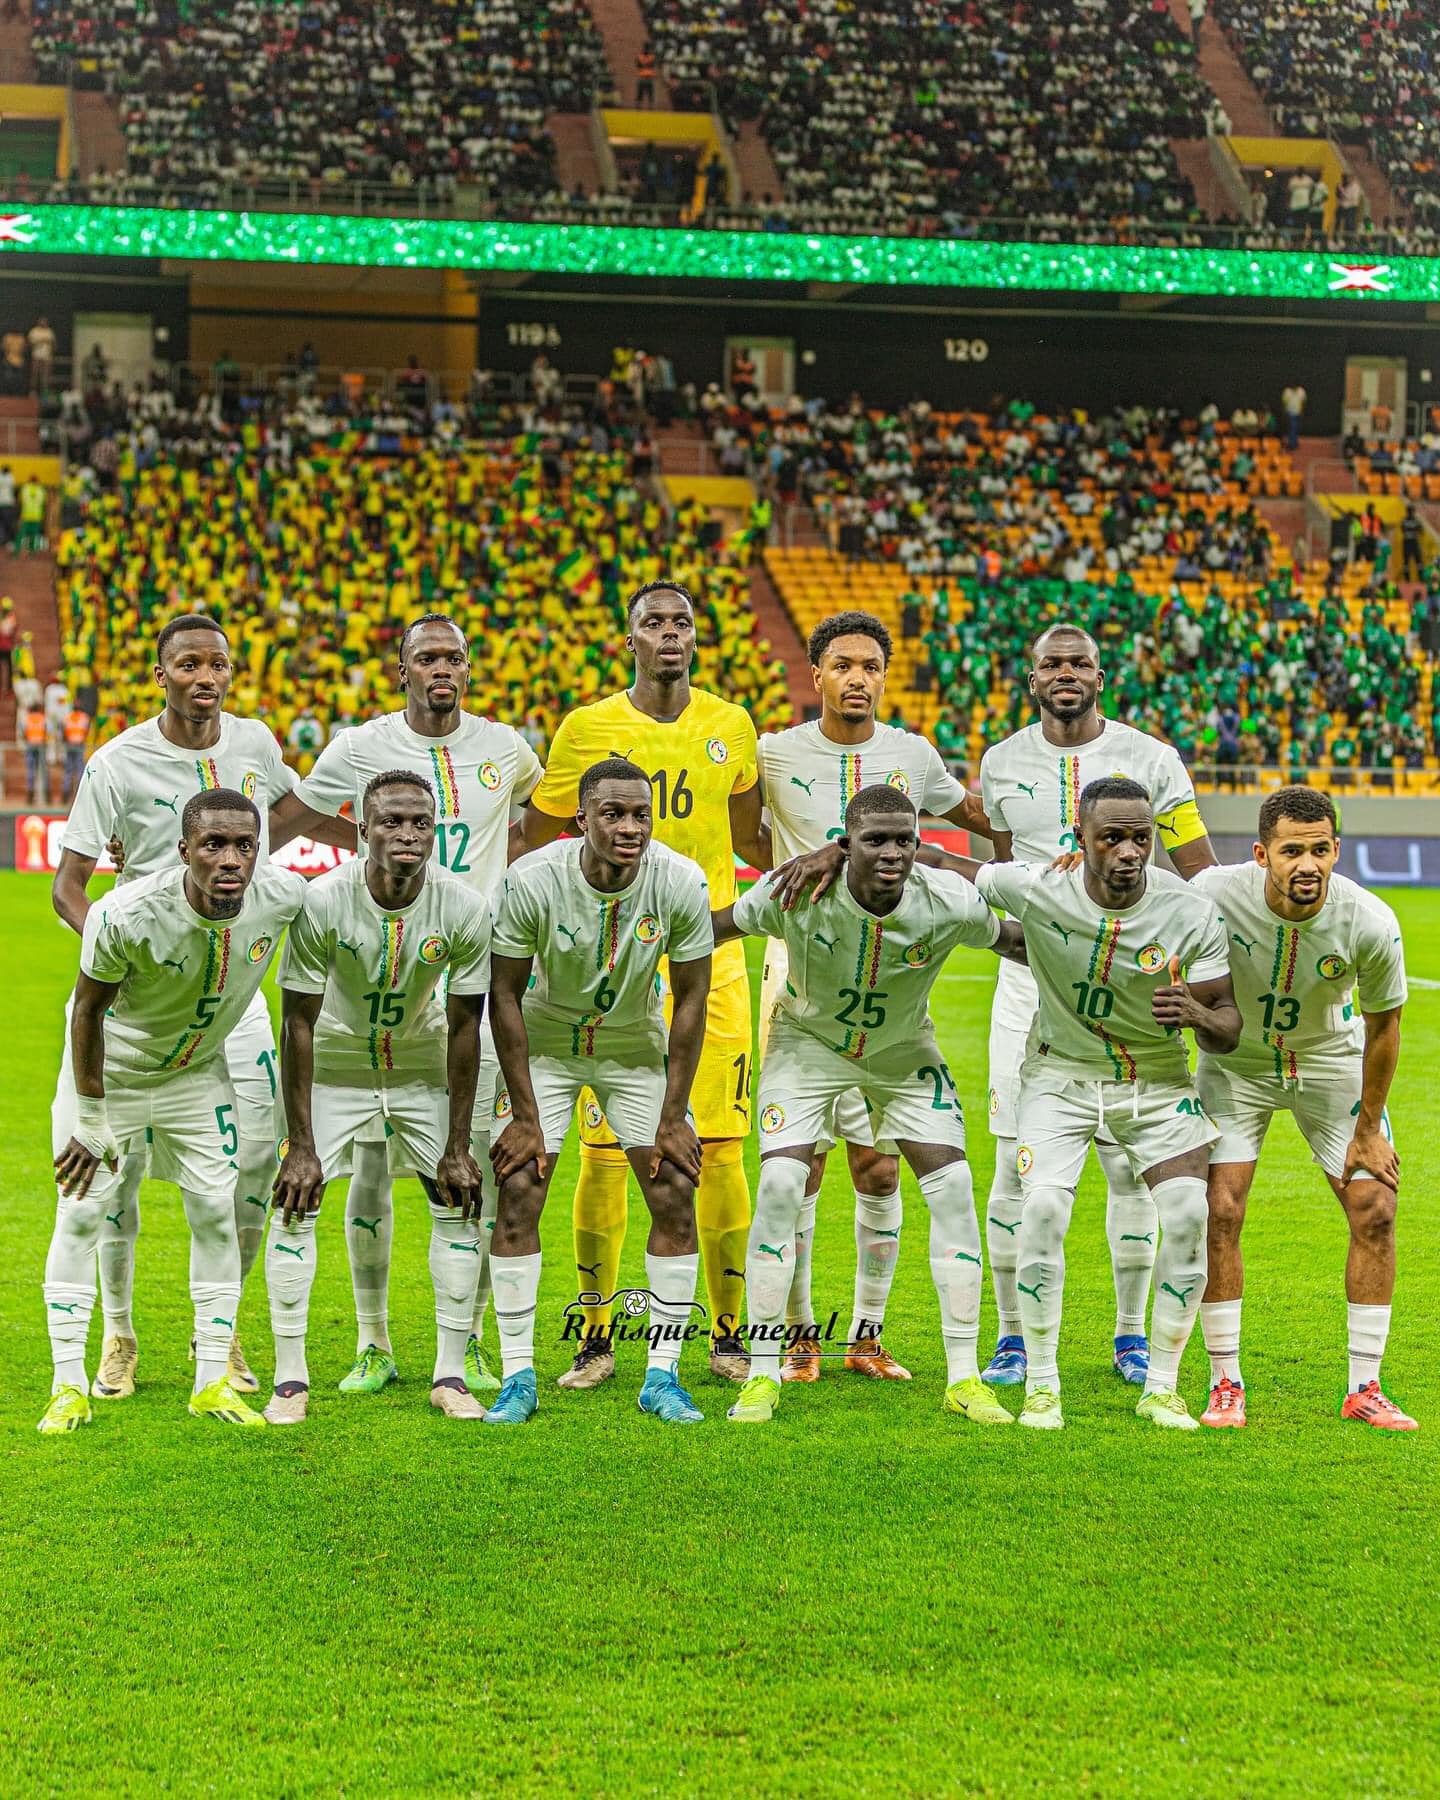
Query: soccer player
169	965
480	771
699	752
853	1017
1105	1056
134	790
579	934
369	1054
1031	784
808	776
1303	939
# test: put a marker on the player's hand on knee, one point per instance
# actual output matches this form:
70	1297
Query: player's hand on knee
676	1142
457	1176
1373	1152
299	1185
75	1168
518	1144
815	872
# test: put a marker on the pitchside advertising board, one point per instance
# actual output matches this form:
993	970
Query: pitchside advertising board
33	847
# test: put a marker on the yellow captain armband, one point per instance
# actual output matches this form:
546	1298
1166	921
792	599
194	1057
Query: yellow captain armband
1181	825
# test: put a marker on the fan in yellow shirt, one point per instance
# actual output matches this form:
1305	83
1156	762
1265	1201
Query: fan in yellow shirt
699	752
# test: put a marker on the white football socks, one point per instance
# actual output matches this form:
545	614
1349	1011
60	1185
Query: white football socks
1132	1228
877	1249
800	1307
517	1290
455	1254
955	1265
290	1257
214	1280
1369	1327
672	1289
770	1259
369	1229
1180	1276
1002	1237
1040	1281
1220	1327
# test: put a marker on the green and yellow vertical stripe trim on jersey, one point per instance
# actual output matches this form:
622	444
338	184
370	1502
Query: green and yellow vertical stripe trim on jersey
607	954
206	773
850	780
867	973
217	972
1282	981
392	936
1069	792
1102	961
447	785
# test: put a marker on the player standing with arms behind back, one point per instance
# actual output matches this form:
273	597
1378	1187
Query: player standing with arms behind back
1302	939
1031	785
699	752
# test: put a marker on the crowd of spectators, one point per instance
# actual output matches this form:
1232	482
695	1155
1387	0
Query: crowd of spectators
212	92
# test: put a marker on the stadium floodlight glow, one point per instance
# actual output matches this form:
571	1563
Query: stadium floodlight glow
206	235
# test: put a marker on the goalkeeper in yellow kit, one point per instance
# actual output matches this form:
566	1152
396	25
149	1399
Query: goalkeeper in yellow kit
699	752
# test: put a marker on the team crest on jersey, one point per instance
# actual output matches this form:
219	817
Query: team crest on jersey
260	949
915	956
434	949
593	1116
1024	1159
248	785
502	1104
490	777
1150	960
1332	967
717	750
898	779
647	929
772	1118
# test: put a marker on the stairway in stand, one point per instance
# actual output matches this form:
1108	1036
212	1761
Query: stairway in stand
622	31
29	581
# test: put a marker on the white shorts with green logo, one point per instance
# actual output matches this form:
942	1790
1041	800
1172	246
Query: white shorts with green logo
1061	1115
849	1121
906	1094
1325	1109
185	1127
411	1119
631	1097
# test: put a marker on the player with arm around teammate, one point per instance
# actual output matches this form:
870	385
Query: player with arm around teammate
1107	942
371	1054
579	933
853	1013
169	965
1303	940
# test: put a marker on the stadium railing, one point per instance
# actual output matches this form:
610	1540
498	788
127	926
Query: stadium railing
1259	778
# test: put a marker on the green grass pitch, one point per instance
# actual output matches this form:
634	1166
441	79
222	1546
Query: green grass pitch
865	1597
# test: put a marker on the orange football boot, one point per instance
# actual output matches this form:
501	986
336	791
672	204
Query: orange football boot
1371	1407
802	1361
1227	1404
868	1356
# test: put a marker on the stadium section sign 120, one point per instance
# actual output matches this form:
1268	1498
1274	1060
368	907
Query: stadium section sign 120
300	238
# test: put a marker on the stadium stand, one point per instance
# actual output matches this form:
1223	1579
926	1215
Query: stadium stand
315	537
219	90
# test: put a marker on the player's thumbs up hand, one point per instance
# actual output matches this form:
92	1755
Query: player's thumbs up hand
1175	971
1173	1006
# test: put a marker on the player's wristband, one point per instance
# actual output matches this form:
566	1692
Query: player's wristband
92	1126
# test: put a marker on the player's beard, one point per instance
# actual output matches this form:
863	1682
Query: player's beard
227	909
1069	711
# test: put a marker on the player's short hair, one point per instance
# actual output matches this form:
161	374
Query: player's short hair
212	800
648	588
1111	787
395	778
611	768
187	622
1063	628
1305	805
878	799
849	624
430	618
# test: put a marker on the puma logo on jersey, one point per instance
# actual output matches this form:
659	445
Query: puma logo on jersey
574	936
1054	926
169	803
170	963
354	949
795	781
1027	788
1246	944
824	942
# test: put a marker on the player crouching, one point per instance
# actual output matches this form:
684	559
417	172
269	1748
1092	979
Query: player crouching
854	1014
370	1055
168	965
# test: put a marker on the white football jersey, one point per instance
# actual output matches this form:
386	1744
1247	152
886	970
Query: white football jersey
135	787
1032	788
861	983
379	971
596	986
1296	983
1096	970
480	773
809	780
185	981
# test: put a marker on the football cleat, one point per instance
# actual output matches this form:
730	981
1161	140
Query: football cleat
802	1361
238	1371
372	1371
479	1377
756	1402
971	1399
288	1404
594	1362
455	1400
516	1401
220	1401
1373	1408
1006	1368
1227	1405
1132	1359
68	1410
868	1356
729	1359
1168	1410
1041	1410
116	1379
664	1398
